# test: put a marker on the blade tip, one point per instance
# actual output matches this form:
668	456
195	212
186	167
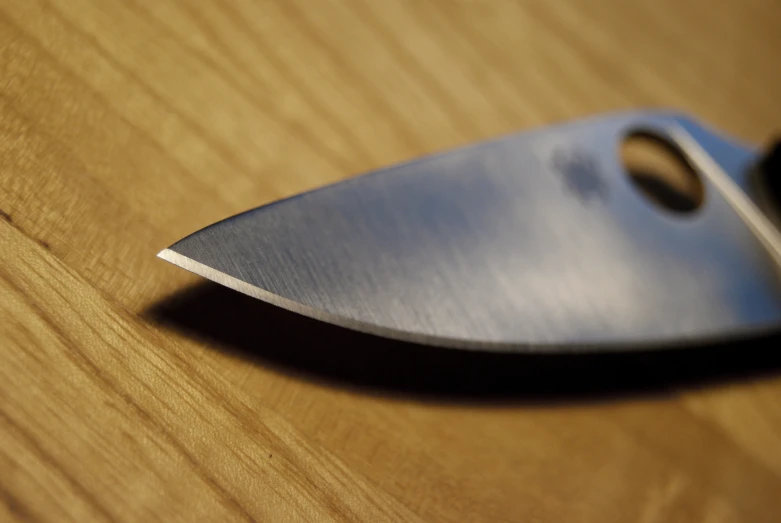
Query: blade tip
168	255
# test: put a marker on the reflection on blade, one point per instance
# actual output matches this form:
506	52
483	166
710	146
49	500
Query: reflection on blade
529	242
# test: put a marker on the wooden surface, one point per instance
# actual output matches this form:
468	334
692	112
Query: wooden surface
126	124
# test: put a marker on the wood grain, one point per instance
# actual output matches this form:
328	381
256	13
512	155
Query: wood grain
125	125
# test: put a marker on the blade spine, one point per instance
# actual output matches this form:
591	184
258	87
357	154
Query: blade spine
432	155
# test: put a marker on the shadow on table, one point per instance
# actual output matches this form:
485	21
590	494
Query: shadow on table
310	349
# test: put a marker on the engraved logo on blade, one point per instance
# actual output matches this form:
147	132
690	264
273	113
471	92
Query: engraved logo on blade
581	175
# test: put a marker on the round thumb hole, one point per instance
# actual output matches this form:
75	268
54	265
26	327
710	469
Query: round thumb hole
660	171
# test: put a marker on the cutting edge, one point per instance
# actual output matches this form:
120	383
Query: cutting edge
253	291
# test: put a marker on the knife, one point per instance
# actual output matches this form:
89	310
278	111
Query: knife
539	241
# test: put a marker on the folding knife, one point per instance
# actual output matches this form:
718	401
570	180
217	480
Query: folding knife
537	241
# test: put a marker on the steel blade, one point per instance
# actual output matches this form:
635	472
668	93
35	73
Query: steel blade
535	241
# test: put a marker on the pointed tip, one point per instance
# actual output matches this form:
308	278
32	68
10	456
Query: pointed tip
180	260
166	254
217	276
171	256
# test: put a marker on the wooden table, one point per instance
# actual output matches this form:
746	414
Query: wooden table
125	125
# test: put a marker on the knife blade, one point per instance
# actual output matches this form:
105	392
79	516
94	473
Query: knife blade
536	241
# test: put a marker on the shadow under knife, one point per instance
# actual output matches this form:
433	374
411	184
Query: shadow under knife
310	349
